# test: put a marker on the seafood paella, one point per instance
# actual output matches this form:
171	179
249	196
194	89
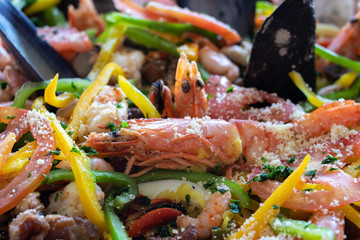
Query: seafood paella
161	122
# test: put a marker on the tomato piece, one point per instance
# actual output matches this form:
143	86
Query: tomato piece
207	22
153	219
39	165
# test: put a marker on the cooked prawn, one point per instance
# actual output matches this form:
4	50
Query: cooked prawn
86	16
210	216
5	58
190	97
171	143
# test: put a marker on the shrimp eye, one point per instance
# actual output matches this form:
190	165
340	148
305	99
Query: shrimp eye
199	83
185	86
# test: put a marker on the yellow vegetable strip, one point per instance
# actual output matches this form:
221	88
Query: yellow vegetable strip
80	166
191	50
113	39
40	5
261	218
52	99
347	79
314	99
5	148
138	98
78	116
352	214
350	169
19	159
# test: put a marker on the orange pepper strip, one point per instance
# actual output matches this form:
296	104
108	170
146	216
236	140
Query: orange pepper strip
261	218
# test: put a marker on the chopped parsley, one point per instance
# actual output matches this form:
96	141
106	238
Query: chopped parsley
209	96
357	168
3	85
230	89
308	190
234	206
55	152
211	185
119	105
124	124
311	173
88	150
29	174
187	198
75	149
329	159
279	173
70	133
111	126
57	196
264	159
244	158
333	169
63	125
291	160
10	117
276	206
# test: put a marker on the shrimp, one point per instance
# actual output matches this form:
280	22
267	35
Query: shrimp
13	79
160	97
210	216
108	106
190	97
5	58
227	101
86	16
171	143
215	62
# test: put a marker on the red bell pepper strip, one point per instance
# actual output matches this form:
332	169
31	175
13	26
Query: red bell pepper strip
206	22
153	219
19	122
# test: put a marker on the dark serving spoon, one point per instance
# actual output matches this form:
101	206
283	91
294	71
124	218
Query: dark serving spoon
36	58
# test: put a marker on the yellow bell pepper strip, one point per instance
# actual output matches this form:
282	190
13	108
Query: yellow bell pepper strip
314	99
85	182
261	218
353	169
191	50
347	79
52	99
6	146
352	214
80	165
78	117
20	158
40	5
108	48
139	99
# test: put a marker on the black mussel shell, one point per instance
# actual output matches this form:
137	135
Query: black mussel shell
239	14
285	42
37	59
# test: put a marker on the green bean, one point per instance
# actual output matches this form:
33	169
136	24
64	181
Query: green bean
73	85
150	40
301	229
335	58
116	227
173	28
196	177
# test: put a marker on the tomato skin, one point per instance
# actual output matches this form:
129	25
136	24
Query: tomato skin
39	165
153	219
